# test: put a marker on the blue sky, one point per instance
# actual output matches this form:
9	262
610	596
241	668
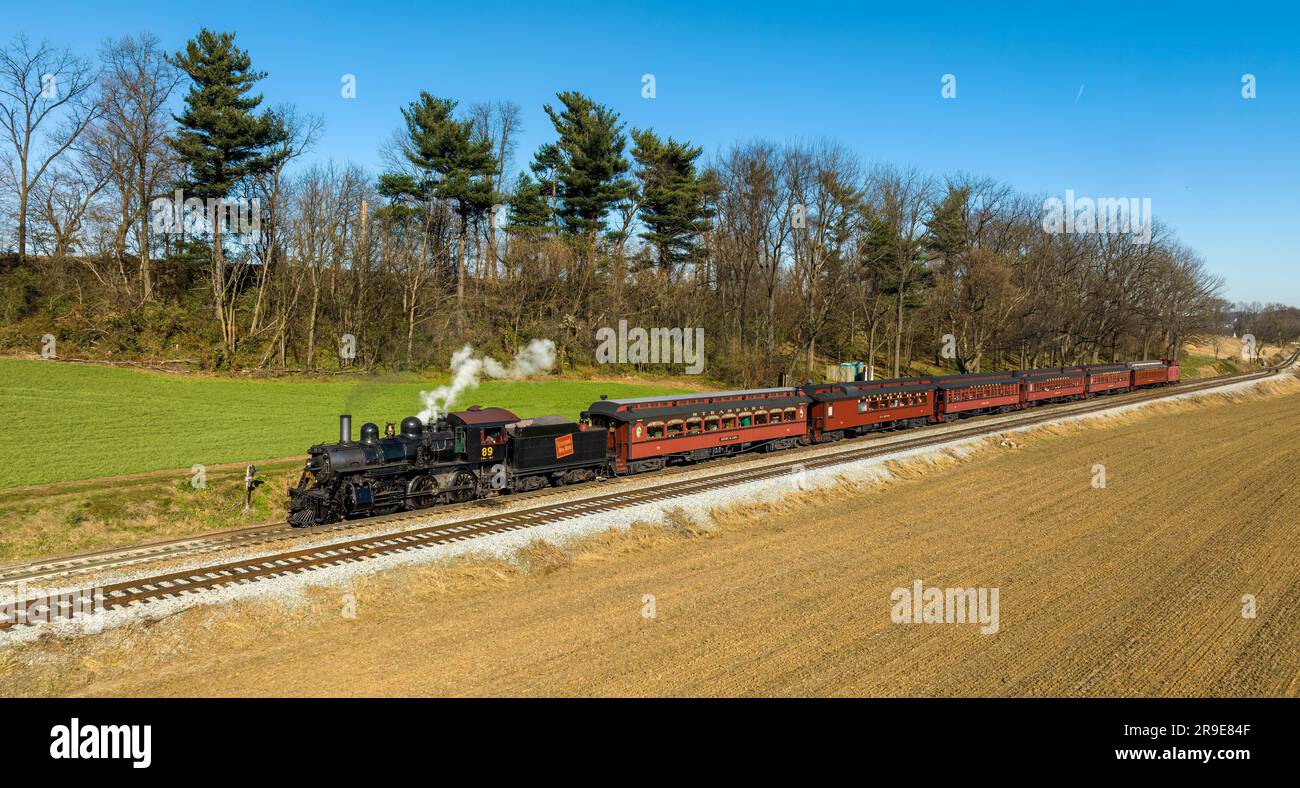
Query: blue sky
1160	114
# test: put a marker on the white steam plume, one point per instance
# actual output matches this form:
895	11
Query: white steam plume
467	371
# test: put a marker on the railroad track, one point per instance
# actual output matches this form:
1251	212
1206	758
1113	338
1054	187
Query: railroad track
172	585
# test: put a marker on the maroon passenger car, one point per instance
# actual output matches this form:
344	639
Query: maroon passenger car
993	392
1108	378
1052	384
840	409
1153	373
646	433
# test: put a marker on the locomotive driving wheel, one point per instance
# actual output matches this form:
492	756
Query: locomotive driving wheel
421	492
463	488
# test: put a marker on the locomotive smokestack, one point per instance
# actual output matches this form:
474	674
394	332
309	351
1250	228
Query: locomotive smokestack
345	428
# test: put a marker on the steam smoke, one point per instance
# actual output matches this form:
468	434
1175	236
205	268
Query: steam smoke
467	370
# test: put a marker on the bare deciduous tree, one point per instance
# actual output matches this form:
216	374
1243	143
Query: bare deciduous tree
46	102
135	87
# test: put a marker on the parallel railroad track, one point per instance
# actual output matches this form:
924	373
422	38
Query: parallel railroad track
175	584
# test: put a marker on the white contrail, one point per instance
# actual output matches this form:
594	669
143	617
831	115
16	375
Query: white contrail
467	371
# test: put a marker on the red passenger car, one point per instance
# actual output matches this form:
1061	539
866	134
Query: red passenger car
840	409
1152	373
647	433
1108	378
960	395
1051	384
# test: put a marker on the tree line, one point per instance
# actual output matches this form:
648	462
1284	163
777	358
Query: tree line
788	255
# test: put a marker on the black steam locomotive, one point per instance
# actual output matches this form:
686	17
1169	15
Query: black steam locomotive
459	457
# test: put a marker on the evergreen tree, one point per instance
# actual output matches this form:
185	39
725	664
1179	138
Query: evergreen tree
448	149
546	168
457	166
404	192
221	141
530	212
592	168
902	275
948	233
677	201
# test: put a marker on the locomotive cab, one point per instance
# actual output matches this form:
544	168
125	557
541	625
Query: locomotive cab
479	433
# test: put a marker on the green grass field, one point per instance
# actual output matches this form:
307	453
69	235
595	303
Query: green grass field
1194	366
67	421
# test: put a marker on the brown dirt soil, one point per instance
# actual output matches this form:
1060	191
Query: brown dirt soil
1134	589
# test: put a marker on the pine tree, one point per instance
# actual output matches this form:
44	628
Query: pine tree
221	141
677	201
592	169
947	233
904	277
546	168
530	212
457	165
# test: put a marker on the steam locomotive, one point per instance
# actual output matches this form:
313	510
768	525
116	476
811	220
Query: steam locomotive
469	454
459	457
